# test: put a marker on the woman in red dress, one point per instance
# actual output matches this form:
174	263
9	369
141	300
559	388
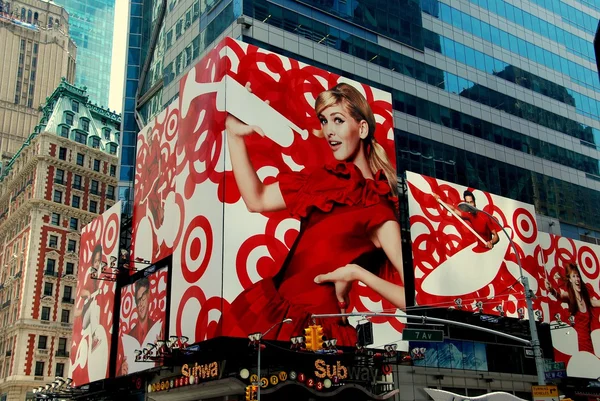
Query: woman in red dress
580	305
349	230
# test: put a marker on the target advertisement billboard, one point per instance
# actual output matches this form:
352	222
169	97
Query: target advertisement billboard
95	298
276	199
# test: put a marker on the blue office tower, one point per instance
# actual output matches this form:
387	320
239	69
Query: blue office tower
91	25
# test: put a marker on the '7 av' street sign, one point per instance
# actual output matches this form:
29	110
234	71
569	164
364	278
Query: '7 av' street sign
422	335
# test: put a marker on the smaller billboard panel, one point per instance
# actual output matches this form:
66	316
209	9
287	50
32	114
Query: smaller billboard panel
463	259
142	320
94	298
571	278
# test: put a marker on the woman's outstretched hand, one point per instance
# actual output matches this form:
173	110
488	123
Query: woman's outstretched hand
237	128
342	279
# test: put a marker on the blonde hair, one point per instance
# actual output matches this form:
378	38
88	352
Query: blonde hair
359	109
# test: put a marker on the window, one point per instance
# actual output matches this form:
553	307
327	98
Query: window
53	241
85	125
75	106
96	165
73	223
110	192
59	177
62	345
64	316
93	206
42	341
106	133
45	313
64	131
68	292
60	370
112	148
68	118
39	367
77	181
55	219
76	201
71	245
80	159
113	170
48	287
81	137
57	196
95	142
94	187
62	153
70	268
50	266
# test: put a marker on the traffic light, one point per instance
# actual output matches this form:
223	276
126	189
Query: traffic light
249	395
254	392
308	338
318	337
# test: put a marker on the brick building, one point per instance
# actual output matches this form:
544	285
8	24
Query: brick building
60	179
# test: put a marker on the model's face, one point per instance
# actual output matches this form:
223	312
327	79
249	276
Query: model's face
343	133
141	300
575	281
469	199
97	262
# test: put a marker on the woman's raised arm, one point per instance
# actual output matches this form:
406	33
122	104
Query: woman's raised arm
257	196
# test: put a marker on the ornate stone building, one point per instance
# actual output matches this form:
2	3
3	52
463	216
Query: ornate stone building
57	182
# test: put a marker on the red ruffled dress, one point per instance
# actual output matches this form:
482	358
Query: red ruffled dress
338	209
583	327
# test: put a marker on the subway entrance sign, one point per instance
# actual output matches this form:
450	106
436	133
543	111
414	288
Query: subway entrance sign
423	335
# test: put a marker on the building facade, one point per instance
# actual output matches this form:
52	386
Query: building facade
37	53
497	95
91	28
61	178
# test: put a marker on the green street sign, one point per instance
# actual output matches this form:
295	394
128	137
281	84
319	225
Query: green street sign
423	335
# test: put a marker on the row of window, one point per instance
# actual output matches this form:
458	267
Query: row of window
584	105
578	73
568	13
53	243
80	160
55	220
64	314
199	43
573	43
59	371
76	199
51	264
67	292
429	74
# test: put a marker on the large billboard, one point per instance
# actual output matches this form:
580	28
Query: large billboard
276	198
95	297
571	278
142	319
463	259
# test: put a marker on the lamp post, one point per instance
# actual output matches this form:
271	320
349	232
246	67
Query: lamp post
257	337
535	341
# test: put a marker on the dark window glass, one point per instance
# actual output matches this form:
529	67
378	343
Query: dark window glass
53	241
96	164
39	365
68	118
93	206
81	137
42	340
57	196
62	153
45	313
71	245
73	223
64	316
75	106
55	219
77	182
80	159
64	131
75	201
48	288
94	187
70	268
60	369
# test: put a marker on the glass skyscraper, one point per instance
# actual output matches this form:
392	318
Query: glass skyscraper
91	28
499	95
